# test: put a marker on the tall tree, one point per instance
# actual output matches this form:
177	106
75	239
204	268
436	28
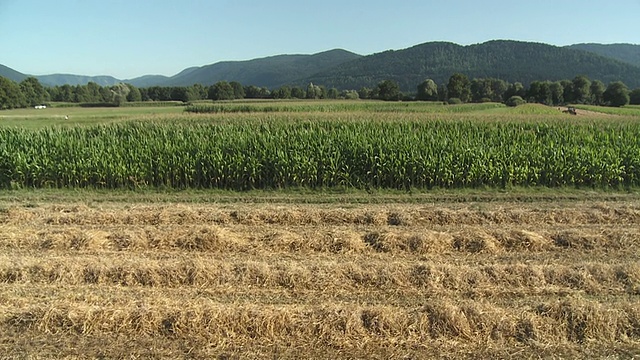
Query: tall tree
134	93
314	91
364	93
221	90
515	89
106	95
498	88
481	90
332	93
297	92
283	92
10	94
443	93
597	91
540	92
200	92
183	93
93	92
567	93
459	87
634	97
80	94
581	89
34	93
120	92
427	91
557	93
617	94
238	90
389	90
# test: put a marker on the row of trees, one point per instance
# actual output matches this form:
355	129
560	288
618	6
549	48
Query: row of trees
459	88
580	90
30	92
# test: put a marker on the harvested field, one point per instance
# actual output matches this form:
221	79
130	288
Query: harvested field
402	281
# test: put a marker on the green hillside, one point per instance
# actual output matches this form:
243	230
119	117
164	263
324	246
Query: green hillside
513	61
508	60
11	74
147	80
628	53
265	72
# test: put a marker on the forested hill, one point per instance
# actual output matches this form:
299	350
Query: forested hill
508	60
513	61
628	53
268	72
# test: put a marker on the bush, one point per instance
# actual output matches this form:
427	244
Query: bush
515	101
455	101
617	94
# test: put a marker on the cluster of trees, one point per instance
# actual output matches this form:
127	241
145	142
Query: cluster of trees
580	90
29	92
508	60
459	89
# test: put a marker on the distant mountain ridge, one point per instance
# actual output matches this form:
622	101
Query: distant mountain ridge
504	59
147	80
70	79
628	53
270	72
11	74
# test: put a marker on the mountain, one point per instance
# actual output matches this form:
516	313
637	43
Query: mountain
62	79
268	72
11	74
504	59
58	79
628	53
147	80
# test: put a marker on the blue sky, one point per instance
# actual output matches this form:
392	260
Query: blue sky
130	38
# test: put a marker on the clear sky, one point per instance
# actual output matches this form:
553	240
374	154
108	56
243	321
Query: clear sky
131	38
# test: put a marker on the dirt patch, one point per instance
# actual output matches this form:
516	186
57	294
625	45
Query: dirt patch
587	113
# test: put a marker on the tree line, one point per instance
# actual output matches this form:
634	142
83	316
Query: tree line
459	89
579	90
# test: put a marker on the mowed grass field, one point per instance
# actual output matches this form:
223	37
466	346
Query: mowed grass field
328	272
79	116
495	279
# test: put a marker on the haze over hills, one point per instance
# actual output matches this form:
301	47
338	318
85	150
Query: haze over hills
61	79
504	59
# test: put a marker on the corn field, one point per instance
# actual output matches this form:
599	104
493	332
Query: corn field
365	154
334	107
